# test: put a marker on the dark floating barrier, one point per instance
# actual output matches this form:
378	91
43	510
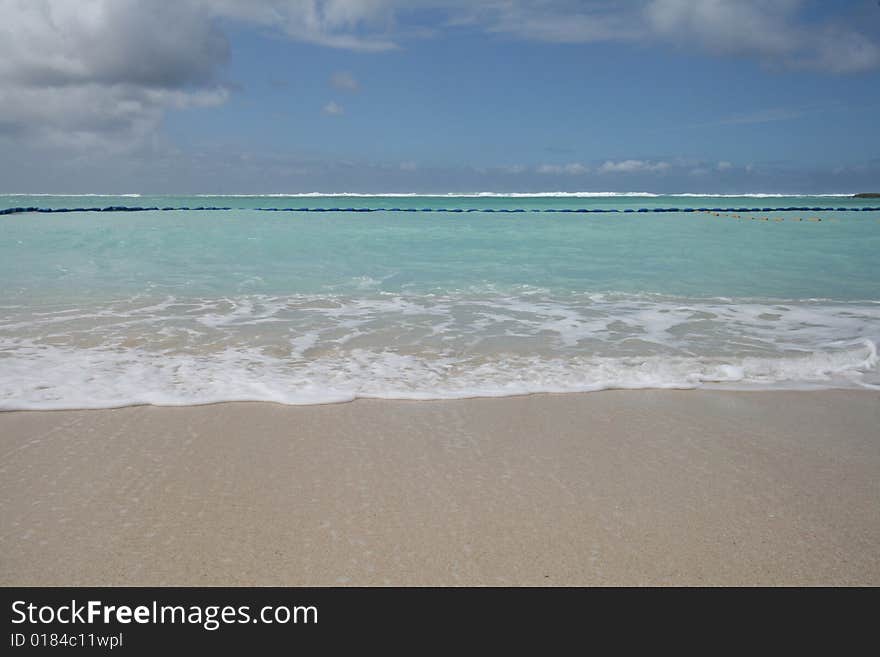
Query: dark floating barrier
129	208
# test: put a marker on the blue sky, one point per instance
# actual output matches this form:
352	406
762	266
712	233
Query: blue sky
668	95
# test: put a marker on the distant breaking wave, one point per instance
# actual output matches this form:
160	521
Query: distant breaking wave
449	195
516	195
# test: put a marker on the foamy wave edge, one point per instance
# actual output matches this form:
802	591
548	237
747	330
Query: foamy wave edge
240	381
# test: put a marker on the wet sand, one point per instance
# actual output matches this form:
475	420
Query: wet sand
618	487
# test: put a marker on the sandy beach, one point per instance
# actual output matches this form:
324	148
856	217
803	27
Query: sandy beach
611	488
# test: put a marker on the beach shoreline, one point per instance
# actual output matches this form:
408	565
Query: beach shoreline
696	487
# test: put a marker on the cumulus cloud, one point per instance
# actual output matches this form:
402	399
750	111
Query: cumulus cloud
333	109
843	50
57	42
778	32
560	21
633	166
763	116
571	169
726	26
615	166
100	74
364	25
344	81
775	31
704	169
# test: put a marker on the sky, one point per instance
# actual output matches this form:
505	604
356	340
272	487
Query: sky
287	96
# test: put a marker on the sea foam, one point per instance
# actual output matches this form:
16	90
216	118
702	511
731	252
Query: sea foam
308	349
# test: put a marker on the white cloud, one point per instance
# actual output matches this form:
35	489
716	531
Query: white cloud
363	25
571	169
103	73
726	26
842	50
560	22
762	116
774	31
777	32
333	109
344	81
776	114
633	166
99	74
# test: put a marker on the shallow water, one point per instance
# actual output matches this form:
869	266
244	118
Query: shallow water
109	309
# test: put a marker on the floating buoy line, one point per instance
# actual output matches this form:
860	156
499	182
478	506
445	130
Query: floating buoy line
735	213
765	218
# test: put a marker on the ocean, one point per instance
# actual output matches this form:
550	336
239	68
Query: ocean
431	297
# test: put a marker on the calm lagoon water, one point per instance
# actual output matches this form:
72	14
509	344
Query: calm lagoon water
101	309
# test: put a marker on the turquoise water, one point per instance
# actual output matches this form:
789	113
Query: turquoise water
114	308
